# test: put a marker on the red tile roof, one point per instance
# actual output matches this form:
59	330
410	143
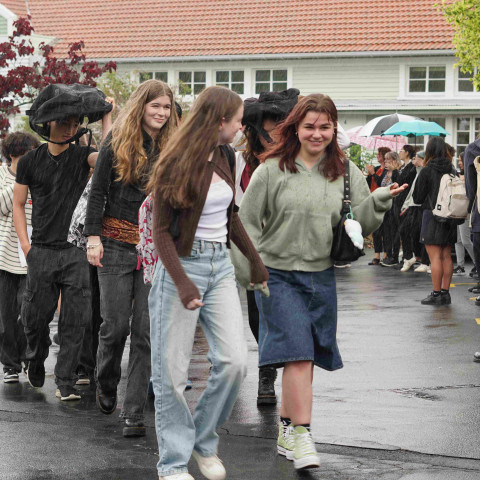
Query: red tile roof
171	28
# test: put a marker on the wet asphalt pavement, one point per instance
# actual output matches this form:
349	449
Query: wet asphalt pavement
405	406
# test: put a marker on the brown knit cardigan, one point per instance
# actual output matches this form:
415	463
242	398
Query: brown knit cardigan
169	250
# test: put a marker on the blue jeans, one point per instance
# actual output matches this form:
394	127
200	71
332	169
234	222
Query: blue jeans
172	330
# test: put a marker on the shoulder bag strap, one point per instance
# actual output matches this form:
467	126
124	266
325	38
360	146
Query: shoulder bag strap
346	188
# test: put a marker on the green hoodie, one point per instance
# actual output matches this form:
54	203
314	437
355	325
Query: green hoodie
298	212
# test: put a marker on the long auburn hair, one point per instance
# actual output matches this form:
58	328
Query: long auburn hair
179	171
288	146
131	159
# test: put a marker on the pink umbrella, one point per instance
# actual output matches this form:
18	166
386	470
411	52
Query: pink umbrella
374	142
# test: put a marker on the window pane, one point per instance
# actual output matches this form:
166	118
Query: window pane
238	76
418	72
278	87
436	72
436	86
222	77
199	77
237	88
262	76
477	127
463	138
145	76
162	76
463	124
262	87
464	75
198	87
185	77
417	85
465	86
279	75
460	149
222	85
441	121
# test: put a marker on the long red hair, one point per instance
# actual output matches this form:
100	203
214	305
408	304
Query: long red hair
288	146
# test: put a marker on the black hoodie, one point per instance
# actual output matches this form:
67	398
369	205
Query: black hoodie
428	182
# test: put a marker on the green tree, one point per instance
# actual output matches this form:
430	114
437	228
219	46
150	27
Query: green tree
464	16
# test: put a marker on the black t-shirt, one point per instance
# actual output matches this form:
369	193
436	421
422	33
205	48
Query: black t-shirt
56	184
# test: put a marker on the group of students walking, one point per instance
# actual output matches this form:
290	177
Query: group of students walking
276	245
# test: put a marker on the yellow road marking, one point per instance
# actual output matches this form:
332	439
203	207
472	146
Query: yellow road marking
473	298
477	320
453	285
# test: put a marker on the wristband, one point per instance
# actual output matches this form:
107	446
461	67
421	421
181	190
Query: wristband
94	245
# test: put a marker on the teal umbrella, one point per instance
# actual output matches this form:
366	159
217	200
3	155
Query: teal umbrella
416	128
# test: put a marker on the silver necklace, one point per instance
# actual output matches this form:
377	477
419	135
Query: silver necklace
59	156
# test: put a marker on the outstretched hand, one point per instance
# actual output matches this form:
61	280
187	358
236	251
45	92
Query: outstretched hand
396	190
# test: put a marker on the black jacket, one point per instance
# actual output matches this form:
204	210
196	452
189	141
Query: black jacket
472	152
376	178
407	175
122	201
428	182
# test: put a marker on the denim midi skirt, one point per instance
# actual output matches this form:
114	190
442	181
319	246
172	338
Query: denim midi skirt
299	319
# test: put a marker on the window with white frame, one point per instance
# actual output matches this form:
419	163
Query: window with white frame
270	80
468	128
429	79
144	76
232	79
3	26
192	83
465	81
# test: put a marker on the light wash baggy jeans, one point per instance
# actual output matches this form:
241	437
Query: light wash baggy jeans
172	330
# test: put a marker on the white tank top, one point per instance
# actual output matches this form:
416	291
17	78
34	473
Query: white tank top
212	225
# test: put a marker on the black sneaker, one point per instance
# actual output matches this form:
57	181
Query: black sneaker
473	273
67	393
266	386
10	376
107	403
389	262
475	289
133	428
459	270
36	373
432	300
375	261
477	301
83	377
446	298
476	357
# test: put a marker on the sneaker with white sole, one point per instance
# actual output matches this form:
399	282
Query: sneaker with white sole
408	264
305	454
211	467
66	393
10	376
422	268
285	441
476	357
176	476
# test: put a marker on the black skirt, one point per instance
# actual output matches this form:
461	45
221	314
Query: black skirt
437	233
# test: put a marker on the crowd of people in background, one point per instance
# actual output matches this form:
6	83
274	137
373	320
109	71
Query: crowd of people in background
205	200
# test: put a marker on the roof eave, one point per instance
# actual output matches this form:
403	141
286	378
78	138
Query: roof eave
280	56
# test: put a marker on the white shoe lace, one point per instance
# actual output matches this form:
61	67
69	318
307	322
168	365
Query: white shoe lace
288	436
304	445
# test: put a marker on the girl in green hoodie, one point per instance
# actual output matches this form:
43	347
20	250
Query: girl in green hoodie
297	194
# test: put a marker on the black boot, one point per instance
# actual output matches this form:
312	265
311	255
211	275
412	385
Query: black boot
133	428
266	386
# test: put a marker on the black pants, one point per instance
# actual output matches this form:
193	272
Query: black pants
12	337
390	238
51	272
253	316
410	226
476	249
378	239
88	353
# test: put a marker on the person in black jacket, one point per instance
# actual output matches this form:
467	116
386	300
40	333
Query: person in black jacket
407	175
374	180
438	237
124	166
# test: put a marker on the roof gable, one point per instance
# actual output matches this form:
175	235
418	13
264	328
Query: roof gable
169	28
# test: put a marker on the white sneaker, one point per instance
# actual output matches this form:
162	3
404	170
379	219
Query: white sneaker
408	264
177	476
212	467
429	270
422	268
305	454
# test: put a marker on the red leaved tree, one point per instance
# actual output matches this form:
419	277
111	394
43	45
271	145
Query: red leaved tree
21	80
